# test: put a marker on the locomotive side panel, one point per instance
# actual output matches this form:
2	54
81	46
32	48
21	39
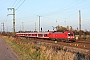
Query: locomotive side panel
57	36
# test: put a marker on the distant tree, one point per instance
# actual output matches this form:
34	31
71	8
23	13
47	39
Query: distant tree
67	27
60	28
71	28
76	32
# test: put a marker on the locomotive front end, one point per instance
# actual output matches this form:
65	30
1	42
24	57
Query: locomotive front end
71	36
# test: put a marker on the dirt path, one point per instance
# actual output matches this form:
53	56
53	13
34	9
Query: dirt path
6	53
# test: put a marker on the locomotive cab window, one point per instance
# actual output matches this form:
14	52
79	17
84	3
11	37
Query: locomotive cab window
70	34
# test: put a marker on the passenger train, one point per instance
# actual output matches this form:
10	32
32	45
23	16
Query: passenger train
60	36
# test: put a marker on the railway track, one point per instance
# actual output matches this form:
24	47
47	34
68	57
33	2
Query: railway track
77	44
85	42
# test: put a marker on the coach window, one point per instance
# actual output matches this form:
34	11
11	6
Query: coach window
45	34
40	34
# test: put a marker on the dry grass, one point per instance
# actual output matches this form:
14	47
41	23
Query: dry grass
24	50
31	51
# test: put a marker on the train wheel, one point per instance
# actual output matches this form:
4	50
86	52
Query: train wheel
63	40
67	41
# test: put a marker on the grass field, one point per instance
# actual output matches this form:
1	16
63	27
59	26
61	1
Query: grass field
27	50
23	49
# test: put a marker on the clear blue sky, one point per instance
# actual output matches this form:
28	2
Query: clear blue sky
65	12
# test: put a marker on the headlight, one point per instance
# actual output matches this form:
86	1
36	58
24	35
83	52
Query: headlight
68	37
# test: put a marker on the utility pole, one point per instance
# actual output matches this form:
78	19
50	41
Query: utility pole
80	24
7	28
20	29
35	26
39	23
22	26
13	17
3	26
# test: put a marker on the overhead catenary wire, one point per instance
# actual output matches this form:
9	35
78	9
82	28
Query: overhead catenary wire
17	3
14	3
67	6
75	3
20	5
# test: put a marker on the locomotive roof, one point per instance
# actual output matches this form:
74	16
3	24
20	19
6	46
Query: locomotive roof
57	32
43	32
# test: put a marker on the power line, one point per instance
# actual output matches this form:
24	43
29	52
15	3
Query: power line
75	3
62	18
71	15
65	8
14	3
20	4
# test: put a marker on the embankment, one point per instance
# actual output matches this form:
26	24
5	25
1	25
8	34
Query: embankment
36	50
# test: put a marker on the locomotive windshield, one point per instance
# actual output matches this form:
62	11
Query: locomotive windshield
70	34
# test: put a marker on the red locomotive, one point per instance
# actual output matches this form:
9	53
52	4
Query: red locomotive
61	36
